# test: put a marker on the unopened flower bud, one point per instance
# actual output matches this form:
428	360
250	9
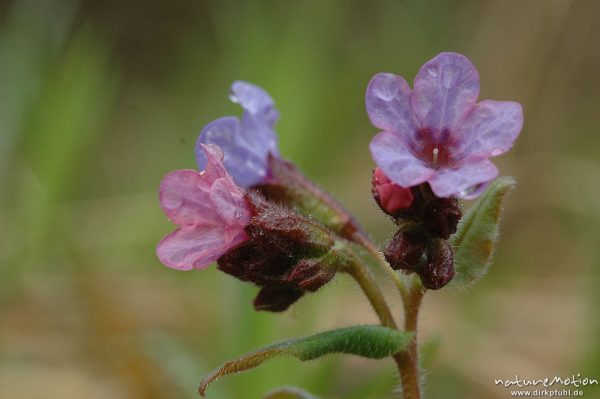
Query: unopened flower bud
442	216
439	269
277	298
311	274
286	254
286	231
404	251
390	197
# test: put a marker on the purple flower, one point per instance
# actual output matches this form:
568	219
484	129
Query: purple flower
209	209
246	142
437	133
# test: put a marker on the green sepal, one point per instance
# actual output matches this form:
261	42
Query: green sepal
477	234
373	342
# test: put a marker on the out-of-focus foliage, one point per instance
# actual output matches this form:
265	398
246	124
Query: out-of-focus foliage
98	100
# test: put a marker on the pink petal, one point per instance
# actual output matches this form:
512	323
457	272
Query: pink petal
229	203
490	129
197	247
214	165
185	198
445	90
393	156
388	104
465	181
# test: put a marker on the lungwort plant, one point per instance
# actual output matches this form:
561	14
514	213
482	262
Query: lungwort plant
264	222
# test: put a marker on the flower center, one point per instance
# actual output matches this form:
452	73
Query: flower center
434	147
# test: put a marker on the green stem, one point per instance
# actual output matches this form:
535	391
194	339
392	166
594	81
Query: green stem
409	359
367	283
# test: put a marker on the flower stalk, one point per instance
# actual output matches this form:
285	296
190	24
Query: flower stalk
409	359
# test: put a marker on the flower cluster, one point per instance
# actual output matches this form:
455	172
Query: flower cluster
434	147
263	222
222	215
266	223
420	244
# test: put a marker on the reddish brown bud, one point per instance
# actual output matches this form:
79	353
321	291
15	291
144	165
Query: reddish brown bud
286	254
277	298
439	269
391	198
285	230
442	216
253	262
311	274
404	251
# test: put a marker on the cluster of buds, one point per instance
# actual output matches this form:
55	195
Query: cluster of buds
425	223
286	254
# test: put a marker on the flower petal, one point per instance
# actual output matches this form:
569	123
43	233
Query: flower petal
228	202
221	134
445	90
465	181
254	100
246	156
197	247
185	199
490	129
214	166
388	104
392	154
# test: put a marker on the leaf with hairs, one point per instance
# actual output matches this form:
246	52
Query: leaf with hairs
373	342
477	234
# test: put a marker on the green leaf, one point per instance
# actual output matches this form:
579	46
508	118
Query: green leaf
373	342
289	393
477	234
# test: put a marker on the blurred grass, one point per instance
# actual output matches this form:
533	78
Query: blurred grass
99	100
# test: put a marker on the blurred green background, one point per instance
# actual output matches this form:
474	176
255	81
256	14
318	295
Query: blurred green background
99	100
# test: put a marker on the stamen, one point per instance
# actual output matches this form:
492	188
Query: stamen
436	151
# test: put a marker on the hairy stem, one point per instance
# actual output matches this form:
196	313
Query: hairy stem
367	283
409	359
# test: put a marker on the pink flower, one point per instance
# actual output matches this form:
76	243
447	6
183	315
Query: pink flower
437	133
210	210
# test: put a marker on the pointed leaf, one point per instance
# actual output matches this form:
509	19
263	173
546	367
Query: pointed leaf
477	234
289	393
373	342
